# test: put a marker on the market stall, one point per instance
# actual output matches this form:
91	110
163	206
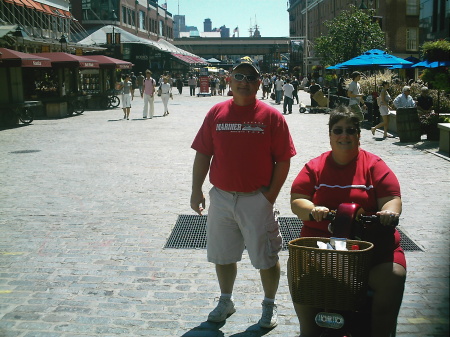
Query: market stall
15	70
109	73
72	78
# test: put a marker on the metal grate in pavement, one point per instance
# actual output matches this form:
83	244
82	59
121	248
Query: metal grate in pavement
189	232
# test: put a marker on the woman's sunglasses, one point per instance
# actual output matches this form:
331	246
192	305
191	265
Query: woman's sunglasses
348	131
249	78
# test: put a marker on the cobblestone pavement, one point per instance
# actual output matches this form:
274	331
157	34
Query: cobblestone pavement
88	202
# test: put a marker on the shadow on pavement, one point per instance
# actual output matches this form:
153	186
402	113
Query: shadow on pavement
210	329
253	331
206	329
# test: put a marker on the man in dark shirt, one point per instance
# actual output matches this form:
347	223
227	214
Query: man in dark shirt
312	90
424	102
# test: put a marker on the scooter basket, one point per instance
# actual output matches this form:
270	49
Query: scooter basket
329	279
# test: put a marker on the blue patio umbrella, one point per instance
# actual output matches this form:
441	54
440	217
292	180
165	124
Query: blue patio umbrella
412	59
371	60
435	64
374	58
336	66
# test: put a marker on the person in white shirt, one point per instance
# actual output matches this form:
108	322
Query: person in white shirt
355	95
288	90
404	100
148	94
278	89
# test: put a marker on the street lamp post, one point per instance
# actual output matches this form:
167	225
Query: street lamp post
63	42
306	40
19	34
362	5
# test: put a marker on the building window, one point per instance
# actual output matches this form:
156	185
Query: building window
412	7
124	15
412	35
141	20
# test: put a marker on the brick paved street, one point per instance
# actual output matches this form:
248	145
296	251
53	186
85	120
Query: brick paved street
88	202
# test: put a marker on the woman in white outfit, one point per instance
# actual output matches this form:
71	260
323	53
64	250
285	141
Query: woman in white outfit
383	104
166	93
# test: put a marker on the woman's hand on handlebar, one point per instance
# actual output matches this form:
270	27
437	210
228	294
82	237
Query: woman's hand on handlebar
319	213
388	218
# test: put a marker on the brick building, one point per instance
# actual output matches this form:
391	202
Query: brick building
144	18
399	20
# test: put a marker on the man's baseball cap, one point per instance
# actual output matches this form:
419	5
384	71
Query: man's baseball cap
248	62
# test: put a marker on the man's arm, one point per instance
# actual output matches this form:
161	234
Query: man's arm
397	101
199	172
280	172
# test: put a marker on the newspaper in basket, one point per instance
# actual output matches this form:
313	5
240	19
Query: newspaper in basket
329	279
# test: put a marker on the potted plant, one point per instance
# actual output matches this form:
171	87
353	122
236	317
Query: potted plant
429	122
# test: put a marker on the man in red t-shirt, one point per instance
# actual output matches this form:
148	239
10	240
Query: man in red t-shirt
246	147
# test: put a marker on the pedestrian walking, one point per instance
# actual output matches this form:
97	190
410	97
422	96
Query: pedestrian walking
148	93
288	90
179	84
278	86
192	82
246	146
383	103
166	93
134	84
140	82
355	95
125	87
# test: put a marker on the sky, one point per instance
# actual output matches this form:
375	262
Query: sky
271	16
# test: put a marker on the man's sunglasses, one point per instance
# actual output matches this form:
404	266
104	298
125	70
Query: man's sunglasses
249	78
348	131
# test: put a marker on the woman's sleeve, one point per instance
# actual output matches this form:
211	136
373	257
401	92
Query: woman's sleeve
385	181
304	183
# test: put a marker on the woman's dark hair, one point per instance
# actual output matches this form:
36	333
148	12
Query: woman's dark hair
343	112
384	83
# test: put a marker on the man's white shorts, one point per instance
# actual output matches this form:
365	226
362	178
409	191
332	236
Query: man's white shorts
242	220
126	101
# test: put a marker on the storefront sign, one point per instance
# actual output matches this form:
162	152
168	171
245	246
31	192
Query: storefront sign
141	57
204	84
88	65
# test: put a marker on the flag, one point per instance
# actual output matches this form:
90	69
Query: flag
164	6
236	30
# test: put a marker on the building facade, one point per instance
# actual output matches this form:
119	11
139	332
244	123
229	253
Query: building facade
38	25
399	20
144	18
434	20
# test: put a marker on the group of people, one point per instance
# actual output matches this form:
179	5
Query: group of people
281	88
423	103
246	147
147	90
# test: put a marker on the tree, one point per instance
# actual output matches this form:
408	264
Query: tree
350	34
439	77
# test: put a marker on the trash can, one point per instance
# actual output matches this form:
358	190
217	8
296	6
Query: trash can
408	125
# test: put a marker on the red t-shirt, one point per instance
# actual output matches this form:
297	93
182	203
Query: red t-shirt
362	181
245	142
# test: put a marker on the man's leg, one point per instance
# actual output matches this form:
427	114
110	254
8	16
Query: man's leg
152	106
145	110
270	278
226	275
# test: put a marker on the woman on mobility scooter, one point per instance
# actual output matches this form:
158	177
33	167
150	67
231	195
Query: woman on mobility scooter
345	174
